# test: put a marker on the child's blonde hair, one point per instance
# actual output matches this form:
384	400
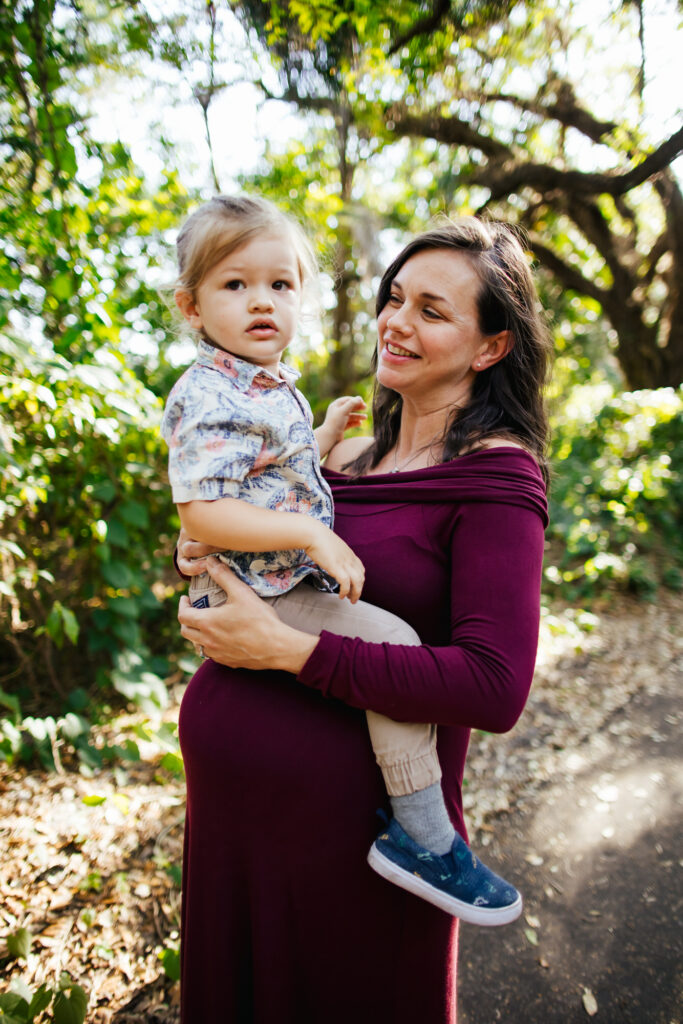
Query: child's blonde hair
226	223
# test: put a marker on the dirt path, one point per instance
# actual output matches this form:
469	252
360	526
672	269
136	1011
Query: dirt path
593	841
579	805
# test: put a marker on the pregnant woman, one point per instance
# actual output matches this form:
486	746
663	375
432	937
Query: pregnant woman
283	920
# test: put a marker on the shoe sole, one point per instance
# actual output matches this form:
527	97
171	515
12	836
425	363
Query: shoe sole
486	916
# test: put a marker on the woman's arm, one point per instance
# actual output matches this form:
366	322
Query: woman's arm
482	678
346	451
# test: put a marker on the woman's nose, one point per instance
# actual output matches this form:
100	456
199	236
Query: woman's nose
398	320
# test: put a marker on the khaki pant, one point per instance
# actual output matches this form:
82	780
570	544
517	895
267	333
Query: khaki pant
405	752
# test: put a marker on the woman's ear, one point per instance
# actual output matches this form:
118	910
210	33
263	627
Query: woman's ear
187	305
494	348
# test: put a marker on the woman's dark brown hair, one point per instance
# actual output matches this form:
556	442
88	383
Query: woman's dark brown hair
507	399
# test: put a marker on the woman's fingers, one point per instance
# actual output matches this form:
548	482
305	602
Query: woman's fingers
190	620
226	578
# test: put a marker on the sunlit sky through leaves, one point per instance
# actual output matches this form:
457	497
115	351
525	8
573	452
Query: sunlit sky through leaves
241	121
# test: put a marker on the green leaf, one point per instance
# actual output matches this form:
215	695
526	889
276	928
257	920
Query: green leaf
71	627
19	944
117	575
173	763
13	1009
170	958
127	631
134	513
70	1006
117	534
126	606
104	491
54	624
42	998
9	700
94	800
62	286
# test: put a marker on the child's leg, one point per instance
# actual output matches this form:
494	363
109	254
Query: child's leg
204	593
405	751
420	850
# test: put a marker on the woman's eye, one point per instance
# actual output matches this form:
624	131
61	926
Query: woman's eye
395	299
431	313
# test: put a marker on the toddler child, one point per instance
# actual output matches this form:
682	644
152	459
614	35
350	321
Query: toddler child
244	467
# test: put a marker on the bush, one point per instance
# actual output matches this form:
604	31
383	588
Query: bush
616	496
87	526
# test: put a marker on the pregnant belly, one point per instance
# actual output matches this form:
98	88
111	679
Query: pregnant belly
270	754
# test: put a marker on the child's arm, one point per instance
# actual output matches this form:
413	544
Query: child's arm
236	525
341	415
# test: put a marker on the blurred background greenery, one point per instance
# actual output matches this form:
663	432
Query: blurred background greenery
542	113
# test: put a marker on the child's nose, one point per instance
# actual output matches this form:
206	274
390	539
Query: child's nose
261	298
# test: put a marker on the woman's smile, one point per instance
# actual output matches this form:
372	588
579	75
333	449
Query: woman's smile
431	319
398	350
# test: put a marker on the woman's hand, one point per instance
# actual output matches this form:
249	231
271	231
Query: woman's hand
191	554
245	632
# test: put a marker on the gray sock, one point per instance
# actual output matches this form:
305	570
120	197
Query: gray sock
424	817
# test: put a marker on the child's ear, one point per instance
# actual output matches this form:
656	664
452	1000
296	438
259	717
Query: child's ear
187	305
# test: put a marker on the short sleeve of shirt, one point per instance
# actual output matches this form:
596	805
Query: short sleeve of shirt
212	444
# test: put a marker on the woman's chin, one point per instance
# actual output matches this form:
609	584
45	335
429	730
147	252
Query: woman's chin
391	377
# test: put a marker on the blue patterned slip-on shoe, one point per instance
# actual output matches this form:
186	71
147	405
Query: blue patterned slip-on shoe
457	883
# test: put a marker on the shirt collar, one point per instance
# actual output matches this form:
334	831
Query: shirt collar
241	373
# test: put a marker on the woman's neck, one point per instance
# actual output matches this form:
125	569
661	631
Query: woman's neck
419	443
422	430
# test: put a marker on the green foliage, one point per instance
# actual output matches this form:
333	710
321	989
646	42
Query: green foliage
617	494
170	960
67	1004
87	521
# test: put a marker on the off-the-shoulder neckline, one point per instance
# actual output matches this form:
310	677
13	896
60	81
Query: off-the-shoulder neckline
493	450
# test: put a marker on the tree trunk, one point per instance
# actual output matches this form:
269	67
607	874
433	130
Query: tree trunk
340	373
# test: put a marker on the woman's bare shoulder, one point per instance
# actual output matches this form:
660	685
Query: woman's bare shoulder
347	450
500	442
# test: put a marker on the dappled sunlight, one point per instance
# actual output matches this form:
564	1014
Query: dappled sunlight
612	814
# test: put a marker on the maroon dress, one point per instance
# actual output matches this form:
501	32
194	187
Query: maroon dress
283	920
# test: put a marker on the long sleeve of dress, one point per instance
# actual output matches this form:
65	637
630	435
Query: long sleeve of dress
481	679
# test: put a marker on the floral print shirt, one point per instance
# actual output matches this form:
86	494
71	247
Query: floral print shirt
234	430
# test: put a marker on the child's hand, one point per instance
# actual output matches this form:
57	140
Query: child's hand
342	414
191	554
335	557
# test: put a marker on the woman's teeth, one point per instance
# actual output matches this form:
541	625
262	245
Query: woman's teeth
396	350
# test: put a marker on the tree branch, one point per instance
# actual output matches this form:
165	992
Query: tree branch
565	109
505	180
450	130
422	26
570	277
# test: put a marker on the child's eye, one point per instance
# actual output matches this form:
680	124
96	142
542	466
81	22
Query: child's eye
234	285
282	286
